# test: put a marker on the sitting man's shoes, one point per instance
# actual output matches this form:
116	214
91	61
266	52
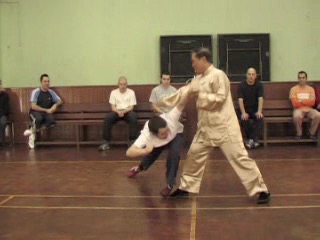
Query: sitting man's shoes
297	137
313	137
134	171
256	144
249	143
165	192
179	194
264	197
31	140
27	132
104	146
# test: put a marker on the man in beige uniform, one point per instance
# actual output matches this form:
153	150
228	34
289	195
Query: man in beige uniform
217	127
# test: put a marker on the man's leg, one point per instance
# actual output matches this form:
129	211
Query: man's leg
246	125
109	121
131	120
194	165
298	116
3	124
245	167
256	129
49	120
173	159
37	118
314	115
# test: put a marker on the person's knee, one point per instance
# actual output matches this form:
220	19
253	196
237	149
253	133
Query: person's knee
297	119
132	117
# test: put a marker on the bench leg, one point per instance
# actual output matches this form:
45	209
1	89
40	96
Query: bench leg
77	128
265	132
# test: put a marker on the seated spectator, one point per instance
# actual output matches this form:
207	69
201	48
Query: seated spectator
44	102
302	98
317	105
250	97
4	111
122	101
160	92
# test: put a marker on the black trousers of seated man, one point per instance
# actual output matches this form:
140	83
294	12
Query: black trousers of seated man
130	118
252	126
42	119
173	158
3	125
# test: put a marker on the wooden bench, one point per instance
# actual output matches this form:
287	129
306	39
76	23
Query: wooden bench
80	116
280	111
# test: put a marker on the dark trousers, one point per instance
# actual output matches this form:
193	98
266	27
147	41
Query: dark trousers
3	124
173	158
42	118
130	118
252	126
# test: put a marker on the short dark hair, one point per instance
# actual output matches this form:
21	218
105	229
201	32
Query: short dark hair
165	73
43	75
203	52
156	123
303	72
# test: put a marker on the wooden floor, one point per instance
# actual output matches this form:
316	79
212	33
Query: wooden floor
61	193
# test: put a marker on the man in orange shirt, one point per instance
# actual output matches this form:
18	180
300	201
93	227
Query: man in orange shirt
302	98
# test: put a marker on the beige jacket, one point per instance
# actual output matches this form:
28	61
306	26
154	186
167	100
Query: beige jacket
217	119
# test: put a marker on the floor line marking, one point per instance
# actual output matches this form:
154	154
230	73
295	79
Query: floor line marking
193	219
155	208
123	196
134	161
6	200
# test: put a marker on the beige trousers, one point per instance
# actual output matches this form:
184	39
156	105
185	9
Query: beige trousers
237	155
298	116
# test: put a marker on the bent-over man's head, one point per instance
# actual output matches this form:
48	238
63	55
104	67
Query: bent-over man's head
158	126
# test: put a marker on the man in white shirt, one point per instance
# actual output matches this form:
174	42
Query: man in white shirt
160	132
162	91
122	101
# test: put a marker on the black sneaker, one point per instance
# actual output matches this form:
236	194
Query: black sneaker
264	197
179	194
313	137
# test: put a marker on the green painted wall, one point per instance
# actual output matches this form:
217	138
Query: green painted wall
92	42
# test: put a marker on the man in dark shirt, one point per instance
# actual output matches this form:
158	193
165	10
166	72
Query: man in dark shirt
4	111
250	96
44	103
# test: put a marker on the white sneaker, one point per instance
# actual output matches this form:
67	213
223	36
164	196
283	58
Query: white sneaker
27	132
32	138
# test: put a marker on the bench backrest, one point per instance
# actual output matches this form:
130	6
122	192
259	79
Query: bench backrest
96	111
274	108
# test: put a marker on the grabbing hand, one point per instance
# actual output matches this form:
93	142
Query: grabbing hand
194	86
